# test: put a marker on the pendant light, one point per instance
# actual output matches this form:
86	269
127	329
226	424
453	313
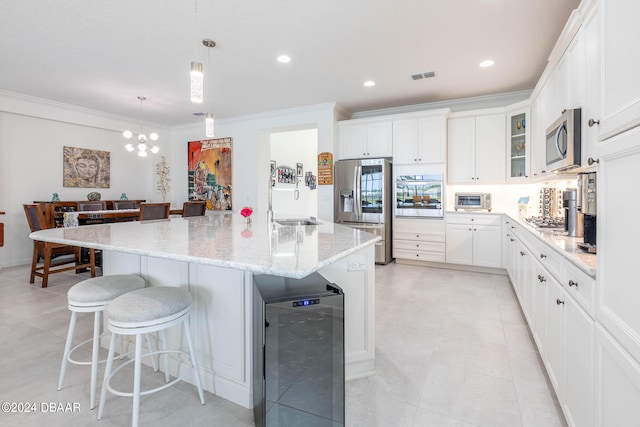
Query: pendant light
197	83
143	143
208	121
197	78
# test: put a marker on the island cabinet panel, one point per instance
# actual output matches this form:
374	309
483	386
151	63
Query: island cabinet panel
219	317
358	285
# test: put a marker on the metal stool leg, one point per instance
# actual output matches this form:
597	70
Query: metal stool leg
94	357
67	347
107	373
194	360
136	382
163	334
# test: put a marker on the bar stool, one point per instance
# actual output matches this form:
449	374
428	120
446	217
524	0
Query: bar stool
92	296
142	312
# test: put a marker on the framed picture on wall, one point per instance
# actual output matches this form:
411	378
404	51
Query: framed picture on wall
299	169
209	166
273	167
85	168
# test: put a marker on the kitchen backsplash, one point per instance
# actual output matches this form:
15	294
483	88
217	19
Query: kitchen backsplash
505	197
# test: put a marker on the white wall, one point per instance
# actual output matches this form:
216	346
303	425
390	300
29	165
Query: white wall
251	153
32	134
288	149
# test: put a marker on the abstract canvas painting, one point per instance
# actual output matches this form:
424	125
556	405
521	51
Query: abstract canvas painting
209	166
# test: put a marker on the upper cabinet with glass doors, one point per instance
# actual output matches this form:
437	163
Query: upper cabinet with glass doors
518	146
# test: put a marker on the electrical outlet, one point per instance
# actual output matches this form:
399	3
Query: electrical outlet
356	264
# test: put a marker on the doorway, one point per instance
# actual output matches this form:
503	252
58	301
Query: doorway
295	155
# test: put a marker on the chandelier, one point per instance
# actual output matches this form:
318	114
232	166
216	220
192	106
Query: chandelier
143	141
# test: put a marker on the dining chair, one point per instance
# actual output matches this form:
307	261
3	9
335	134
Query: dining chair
92	206
57	257
124	204
194	209
150	211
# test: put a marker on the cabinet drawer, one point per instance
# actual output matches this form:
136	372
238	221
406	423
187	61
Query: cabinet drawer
470	219
419	255
415	245
425	237
580	286
550	259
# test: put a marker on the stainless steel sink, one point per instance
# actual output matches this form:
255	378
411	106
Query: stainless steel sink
292	222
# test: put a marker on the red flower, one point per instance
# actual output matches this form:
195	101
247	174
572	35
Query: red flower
246	211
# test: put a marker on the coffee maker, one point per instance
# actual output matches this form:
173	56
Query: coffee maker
573	219
587	206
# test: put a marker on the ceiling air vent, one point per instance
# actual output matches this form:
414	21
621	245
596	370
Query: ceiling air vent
426	75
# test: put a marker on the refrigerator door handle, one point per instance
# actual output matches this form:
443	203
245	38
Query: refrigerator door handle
359	192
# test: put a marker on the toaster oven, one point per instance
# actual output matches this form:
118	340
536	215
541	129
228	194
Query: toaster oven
473	201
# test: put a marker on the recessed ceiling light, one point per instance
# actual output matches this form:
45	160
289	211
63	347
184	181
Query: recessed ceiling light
284	59
369	83
487	63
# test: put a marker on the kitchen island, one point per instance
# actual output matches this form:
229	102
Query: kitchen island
215	257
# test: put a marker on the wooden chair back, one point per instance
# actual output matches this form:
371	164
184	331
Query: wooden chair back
124	204
35	217
92	206
194	209
150	211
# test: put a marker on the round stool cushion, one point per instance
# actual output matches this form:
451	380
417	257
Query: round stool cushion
104	288
149	304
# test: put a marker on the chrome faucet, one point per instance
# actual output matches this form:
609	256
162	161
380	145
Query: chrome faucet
270	208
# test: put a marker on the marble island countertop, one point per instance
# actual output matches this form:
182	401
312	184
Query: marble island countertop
223	240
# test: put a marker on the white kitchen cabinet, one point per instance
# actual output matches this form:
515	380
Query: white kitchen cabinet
518	146
419	239
555	351
579	366
365	138
617	385
420	140
539	327
477	148
618	292
591	107
474	240
620	66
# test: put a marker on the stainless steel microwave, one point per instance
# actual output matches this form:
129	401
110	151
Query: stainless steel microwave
563	145
473	201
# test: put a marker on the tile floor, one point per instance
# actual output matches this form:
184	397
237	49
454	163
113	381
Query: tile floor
452	349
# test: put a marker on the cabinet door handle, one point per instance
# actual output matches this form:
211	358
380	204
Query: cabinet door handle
593	122
513	226
541	278
522	253
559	301
572	283
512	240
542	256
469	229
591	161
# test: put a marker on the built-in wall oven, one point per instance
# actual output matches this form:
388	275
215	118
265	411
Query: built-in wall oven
419	193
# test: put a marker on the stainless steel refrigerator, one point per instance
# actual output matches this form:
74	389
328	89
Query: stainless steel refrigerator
363	195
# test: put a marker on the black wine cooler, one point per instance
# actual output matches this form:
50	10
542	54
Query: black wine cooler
298	354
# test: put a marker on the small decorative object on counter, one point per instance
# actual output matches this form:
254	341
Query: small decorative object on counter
123	196
522	207
94	196
246	213
55	197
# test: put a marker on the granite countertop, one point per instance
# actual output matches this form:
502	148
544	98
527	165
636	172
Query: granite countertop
564	245
223	240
